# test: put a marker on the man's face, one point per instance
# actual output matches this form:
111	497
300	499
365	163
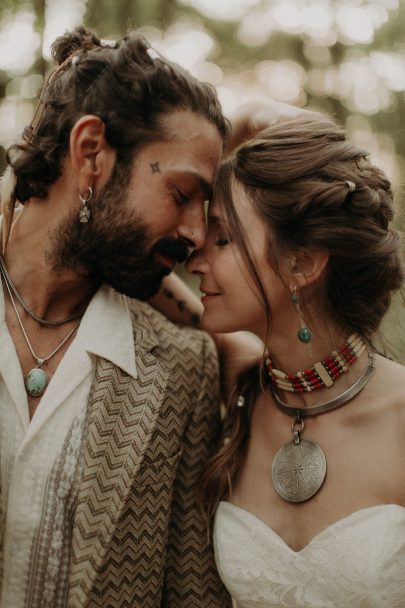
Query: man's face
147	216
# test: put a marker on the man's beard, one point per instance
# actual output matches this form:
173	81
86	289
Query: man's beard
114	246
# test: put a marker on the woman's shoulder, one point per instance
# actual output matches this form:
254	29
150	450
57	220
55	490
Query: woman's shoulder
387	416
390	384
392	370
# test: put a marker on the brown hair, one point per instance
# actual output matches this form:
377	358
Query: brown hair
128	87
297	177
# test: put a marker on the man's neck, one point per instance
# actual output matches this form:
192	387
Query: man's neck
50	293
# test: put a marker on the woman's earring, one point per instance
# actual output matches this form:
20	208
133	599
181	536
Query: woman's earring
304	333
84	213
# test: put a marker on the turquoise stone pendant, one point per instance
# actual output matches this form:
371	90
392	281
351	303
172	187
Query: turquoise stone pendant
36	382
304	335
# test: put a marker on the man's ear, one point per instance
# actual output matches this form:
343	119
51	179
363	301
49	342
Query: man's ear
306	266
92	158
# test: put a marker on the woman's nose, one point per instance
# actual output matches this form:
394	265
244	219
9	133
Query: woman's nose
197	263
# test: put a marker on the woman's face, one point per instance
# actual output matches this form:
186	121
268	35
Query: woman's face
231	298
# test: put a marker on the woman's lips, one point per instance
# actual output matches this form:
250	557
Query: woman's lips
207	295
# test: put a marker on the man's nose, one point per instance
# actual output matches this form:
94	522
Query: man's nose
193	228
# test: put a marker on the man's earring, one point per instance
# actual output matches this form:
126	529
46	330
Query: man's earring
304	333
84	213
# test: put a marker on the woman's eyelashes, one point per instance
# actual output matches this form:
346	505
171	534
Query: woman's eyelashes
222	240
217	232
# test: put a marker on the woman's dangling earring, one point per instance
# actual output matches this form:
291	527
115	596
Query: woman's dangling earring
84	213
304	333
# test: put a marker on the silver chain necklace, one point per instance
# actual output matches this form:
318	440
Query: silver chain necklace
299	467
10	285
36	380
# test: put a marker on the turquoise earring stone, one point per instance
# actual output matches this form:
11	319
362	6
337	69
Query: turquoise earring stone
35	382
304	335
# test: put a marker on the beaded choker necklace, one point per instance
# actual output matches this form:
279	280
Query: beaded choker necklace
322	373
299	467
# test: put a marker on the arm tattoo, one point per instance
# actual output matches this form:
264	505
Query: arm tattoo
183	308
155	167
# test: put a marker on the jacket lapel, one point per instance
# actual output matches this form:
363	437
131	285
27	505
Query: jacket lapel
122	413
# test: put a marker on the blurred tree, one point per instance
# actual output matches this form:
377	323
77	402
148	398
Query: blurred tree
244	38
347	58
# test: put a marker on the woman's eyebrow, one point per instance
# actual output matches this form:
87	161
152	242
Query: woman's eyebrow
215	219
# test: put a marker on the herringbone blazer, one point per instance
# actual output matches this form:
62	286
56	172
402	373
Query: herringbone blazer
139	540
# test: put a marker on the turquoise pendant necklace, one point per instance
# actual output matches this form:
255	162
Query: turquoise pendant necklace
36	380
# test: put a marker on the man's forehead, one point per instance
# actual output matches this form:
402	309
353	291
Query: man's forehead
180	118
181	124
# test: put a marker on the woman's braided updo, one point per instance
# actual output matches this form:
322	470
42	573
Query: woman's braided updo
314	189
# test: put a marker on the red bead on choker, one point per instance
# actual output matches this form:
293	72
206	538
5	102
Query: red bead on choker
322	373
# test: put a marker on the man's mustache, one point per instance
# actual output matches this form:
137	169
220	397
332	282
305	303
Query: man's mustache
177	249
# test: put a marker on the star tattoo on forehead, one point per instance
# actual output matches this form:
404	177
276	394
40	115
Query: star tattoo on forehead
155	167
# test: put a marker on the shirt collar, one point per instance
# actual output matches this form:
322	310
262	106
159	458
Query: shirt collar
106	329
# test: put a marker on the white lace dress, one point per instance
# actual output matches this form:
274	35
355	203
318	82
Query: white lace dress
357	562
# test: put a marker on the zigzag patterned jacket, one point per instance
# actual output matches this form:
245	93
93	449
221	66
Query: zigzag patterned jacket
139	540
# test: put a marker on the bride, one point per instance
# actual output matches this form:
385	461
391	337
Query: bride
307	492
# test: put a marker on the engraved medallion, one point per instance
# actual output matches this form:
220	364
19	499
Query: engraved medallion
298	470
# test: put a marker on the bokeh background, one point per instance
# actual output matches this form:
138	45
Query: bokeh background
346	57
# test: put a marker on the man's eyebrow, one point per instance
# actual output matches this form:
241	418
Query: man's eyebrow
202	182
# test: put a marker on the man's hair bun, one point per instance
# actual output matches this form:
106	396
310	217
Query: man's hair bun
80	39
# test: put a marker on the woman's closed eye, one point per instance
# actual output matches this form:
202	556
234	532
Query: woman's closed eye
218	234
222	240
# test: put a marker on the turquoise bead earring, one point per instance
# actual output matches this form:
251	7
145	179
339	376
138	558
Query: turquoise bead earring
304	334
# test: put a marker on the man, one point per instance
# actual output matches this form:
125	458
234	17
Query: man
108	413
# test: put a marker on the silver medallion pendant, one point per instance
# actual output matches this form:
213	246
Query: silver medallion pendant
36	382
298	470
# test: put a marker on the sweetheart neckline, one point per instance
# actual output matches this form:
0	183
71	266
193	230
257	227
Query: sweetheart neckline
340	522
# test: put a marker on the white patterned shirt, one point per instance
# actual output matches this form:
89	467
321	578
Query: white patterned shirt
41	459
